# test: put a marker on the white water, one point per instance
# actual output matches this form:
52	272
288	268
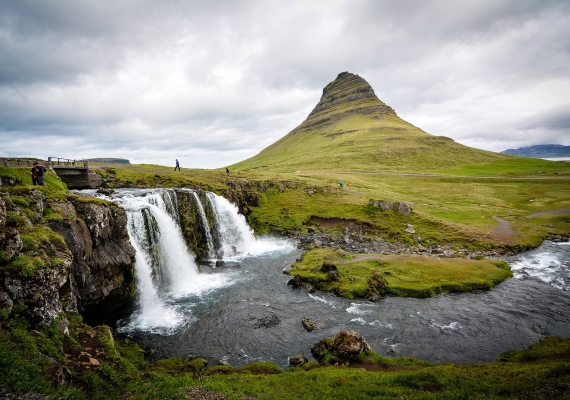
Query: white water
209	240
168	259
234	232
550	263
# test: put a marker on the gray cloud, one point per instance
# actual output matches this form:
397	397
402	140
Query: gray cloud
216	82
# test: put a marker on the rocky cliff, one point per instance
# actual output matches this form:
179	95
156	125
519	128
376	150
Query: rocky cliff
61	253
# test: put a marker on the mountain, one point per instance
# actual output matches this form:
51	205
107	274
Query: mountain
350	129
540	151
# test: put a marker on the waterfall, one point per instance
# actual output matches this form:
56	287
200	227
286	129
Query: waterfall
209	239
234	233
165	271
164	267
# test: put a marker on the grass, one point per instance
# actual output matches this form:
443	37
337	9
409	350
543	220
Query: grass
406	275
29	358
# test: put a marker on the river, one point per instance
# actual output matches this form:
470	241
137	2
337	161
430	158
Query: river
248	313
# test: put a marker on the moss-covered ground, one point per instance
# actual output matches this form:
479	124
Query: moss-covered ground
406	275
103	368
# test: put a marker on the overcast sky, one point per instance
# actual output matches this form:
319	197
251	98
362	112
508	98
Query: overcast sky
214	82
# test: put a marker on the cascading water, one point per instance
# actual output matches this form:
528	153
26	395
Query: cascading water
209	239
165	269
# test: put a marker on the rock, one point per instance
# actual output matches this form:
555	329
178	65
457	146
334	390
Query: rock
297	360
386	205
205	269
405	209
106	192
220	263
63	326
223	362
309	325
295	282
333	276
349	343
10	242
2	213
319	348
94	361
376	286
310	229
376	203
5	302
410	230
309	288
326	267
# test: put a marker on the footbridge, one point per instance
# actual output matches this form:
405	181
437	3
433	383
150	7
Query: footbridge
74	173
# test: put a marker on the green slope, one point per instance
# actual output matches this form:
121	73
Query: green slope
350	129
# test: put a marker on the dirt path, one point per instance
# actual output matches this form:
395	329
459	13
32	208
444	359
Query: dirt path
560	211
504	226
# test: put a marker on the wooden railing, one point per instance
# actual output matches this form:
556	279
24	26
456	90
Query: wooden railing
65	162
51	162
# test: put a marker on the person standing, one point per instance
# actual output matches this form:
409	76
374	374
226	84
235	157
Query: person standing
227	171
38	174
341	184
177	165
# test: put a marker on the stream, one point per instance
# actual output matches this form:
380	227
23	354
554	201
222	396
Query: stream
244	311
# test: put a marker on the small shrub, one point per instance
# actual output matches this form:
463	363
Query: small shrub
4	314
21	201
14	219
4	257
57	262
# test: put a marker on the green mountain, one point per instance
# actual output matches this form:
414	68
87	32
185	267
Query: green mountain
350	129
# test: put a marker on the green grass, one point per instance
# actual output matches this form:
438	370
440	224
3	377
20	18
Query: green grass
406	275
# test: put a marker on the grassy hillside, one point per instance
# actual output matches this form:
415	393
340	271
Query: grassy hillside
350	129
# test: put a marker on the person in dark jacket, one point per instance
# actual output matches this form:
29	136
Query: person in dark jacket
38	174
177	165
228	172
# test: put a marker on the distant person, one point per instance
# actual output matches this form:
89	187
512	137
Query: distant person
38	174
177	165
341	184
228	172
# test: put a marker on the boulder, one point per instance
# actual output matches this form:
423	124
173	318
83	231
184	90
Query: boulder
333	276
349	343
319	349
404	209
309	288
295	282
297	360
327	267
10	242
376	286
386	205
309	325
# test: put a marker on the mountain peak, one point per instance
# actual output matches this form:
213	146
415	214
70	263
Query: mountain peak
347	94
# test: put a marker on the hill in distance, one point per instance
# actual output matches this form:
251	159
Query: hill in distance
350	129
540	151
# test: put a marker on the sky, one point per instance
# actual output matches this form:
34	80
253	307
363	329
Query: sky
214	82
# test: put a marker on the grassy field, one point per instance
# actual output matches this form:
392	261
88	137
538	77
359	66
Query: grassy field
28	363
403	275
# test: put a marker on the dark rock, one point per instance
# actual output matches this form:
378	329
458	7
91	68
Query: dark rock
309	288
297	360
333	276
326	267
310	229
220	263
309	325
295	282
267	321
10	242
106	192
349	343
319	349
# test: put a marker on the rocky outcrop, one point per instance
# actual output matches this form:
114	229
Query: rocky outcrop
61	254
347	345
385	205
103	271
191	223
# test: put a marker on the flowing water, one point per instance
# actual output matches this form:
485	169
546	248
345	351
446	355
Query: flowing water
249	313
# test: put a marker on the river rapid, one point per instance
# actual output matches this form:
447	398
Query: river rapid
245	312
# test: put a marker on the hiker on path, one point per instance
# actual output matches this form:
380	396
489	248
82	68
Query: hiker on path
38	174
227	171
341	184
177	165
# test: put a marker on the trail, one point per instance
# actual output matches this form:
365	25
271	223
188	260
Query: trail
559	211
